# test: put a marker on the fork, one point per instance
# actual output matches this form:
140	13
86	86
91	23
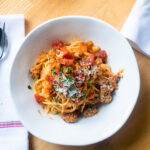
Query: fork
3	43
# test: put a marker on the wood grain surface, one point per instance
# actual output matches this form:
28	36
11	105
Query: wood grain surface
135	134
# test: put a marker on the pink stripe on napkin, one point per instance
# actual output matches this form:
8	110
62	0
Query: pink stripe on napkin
10	124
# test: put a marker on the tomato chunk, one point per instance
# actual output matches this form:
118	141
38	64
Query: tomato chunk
90	59
38	98
66	53
101	54
50	79
91	96
66	61
57	44
64	49
57	52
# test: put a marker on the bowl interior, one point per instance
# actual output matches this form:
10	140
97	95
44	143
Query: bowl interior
110	117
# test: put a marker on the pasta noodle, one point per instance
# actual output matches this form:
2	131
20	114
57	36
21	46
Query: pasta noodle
72	79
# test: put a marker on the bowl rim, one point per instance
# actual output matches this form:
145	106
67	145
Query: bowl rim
136	93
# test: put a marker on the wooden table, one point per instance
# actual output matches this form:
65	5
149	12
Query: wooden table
135	134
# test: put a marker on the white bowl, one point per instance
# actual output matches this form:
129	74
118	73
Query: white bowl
111	117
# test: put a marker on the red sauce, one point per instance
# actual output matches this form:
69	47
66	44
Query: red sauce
43	107
57	52
66	53
39	112
91	96
101	54
57	44
90	59
38	98
50	79
66	61
64	49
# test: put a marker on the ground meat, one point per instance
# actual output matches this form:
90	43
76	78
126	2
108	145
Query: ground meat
70	117
107	87
113	82
103	81
105	90
89	112
35	71
105	94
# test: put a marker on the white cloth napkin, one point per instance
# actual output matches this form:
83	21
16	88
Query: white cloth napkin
137	27
13	136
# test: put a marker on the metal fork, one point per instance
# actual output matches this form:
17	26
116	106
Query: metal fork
3	43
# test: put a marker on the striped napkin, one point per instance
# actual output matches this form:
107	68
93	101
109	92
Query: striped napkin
137	27
13	136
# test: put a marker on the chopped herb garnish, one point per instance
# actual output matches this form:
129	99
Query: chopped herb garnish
74	95
67	91
68	69
90	105
54	50
87	69
51	100
83	92
57	85
63	79
69	81
54	71
72	92
56	100
88	80
61	68
83	96
29	87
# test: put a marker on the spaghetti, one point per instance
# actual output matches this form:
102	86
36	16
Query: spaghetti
72	79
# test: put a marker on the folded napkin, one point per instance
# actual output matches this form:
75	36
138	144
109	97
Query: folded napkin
13	136
137	27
